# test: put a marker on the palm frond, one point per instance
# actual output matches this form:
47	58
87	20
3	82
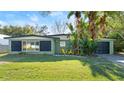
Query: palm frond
70	14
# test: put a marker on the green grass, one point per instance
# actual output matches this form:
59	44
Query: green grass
39	67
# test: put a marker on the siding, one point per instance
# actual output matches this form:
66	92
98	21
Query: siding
57	46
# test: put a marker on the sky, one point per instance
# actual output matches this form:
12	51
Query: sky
31	18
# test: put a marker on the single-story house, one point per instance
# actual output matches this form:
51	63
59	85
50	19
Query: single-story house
50	44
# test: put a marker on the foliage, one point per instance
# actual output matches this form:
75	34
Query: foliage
40	30
66	51
63	51
119	40
115	30
96	24
84	45
23	30
88	46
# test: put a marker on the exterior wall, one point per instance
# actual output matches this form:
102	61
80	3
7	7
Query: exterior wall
111	47
34	39
67	44
62	37
57	46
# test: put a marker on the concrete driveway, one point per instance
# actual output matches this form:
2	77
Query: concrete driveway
113	58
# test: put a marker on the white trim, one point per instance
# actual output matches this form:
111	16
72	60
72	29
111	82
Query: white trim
30	38
37	52
26	43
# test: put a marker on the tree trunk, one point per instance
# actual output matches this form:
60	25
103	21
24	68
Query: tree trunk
102	24
78	23
92	24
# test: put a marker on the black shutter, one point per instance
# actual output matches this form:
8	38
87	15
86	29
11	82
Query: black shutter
103	48
45	45
16	46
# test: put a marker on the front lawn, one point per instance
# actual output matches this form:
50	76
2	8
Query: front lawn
44	67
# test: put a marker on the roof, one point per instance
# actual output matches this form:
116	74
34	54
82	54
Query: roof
28	36
59	35
2	36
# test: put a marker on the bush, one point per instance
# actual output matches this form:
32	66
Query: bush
66	51
118	45
119	41
88	46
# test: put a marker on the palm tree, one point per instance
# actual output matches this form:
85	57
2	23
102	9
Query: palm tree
92	23
103	20
91	16
77	15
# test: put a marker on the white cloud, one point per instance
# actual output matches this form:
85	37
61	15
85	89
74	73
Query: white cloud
22	23
2	22
34	18
56	13
10	15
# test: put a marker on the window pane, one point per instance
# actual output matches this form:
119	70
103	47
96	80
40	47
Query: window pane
62	44
45	45
24	45
16	45
31	46
37	46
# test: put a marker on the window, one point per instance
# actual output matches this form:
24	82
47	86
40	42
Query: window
30	46
45	45
16	46
62	44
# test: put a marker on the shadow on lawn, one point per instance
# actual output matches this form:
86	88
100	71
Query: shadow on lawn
97	65
105	68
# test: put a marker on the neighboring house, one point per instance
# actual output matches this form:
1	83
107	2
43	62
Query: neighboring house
50	44
4	43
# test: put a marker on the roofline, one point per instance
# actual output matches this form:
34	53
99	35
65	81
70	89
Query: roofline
29	36
59	34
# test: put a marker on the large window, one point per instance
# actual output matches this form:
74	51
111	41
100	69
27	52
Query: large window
16	46
45	45
31	46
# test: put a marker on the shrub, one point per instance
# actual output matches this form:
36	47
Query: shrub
88	46
118	45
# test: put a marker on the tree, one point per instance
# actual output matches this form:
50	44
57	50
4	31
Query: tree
59	27
92	23
77	15
116	31
16	30
104	21
99	24
23	30
40	30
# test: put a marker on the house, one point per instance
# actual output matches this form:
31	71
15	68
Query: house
50	44
4	43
